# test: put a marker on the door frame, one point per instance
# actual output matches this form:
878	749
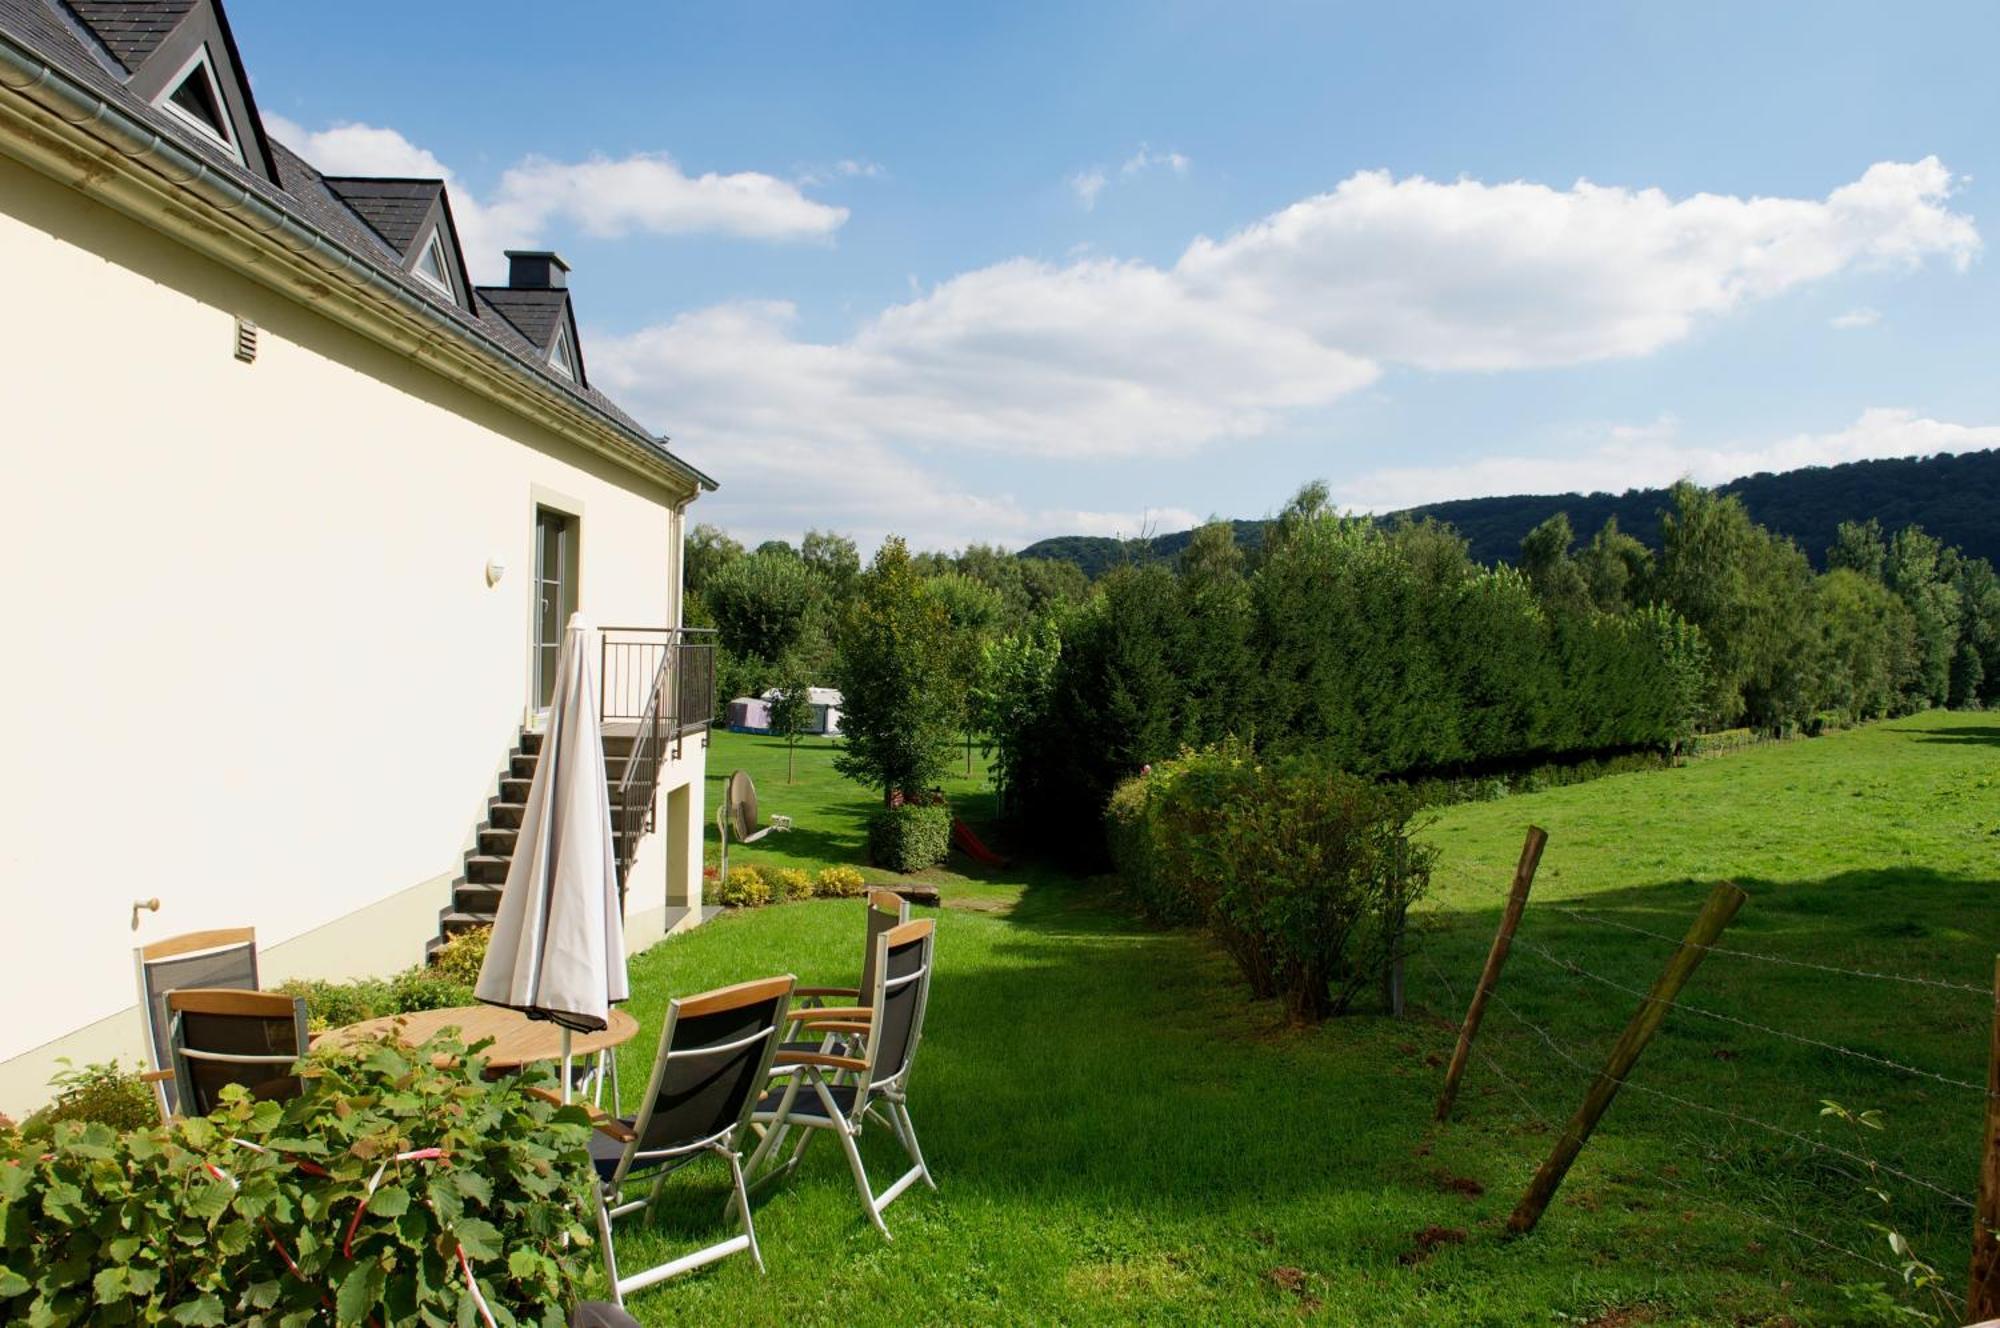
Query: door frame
569	584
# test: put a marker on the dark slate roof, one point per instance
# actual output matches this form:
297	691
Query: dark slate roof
131	29
395	208
61	38
533	313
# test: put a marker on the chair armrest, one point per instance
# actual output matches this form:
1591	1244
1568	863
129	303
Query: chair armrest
808	993
156	1076
828	1012
821	1059
836	1026
602	1121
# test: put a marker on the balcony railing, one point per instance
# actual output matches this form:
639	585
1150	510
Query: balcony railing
676	697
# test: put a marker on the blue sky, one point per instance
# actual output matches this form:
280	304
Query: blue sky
999	272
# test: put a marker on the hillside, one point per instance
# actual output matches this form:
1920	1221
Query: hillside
1956	498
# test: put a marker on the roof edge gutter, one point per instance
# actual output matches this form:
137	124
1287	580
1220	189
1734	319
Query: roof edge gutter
79	132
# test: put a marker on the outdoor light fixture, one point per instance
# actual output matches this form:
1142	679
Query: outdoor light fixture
495	569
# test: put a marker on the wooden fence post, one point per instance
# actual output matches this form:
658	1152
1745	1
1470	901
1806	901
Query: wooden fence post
1983	1300
1723	901
1496	959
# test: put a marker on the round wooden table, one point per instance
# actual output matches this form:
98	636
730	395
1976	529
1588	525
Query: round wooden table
517	1039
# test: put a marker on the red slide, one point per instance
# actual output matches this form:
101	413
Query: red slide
968	844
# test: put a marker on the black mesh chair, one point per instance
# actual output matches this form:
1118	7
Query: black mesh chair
715	1054
220	1036
869	1083
209	959
887	910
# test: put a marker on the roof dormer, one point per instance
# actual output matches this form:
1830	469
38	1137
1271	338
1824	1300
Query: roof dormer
535	303
413	219
179	56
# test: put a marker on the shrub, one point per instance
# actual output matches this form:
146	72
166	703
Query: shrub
105	1227
337	1004
459	958
426	989
1160	892
104	1092
840	883
791	883
1303	871
909	837
744	888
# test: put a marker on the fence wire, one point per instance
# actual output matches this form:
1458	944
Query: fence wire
1944	984
1873	1167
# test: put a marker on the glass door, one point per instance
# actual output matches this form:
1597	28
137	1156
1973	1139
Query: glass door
555	595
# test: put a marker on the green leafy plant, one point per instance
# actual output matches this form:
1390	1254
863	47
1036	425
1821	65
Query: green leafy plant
1871	1302
105	1092
909	837
459	959
789	883
744	887
840	883
373	1197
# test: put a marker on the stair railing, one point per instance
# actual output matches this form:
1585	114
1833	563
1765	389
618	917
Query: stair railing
680	700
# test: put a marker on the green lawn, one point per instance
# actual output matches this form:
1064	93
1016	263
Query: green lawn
1119	1135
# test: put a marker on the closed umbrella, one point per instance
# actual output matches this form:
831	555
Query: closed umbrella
558	946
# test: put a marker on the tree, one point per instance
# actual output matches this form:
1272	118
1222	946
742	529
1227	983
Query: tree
1221	668
833	559
1616	568
1559	583
708	552
1858	547
896	671
760	603
974	610
792	710
1011	703
777	548
1914	569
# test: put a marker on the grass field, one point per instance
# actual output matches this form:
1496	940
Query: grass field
1119	1136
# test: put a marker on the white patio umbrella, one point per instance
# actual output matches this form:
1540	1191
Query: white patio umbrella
558	947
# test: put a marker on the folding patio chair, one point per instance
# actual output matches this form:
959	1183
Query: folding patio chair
221	1036
226	958
715	1053
867	1084
887	910
737	816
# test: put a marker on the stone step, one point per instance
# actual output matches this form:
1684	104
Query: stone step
470	897
456	921
485	869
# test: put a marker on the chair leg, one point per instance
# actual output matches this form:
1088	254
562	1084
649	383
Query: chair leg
604	1238
743	1203
852	1147
907	1128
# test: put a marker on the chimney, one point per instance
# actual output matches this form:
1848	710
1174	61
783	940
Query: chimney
536	269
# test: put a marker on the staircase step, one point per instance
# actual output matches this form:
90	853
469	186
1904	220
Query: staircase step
531	742
498	841
485	869
451	924
469	897
505	815
514	790
521	765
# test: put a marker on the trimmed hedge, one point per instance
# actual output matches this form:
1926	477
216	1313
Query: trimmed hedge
263	1213
910	837
1304	872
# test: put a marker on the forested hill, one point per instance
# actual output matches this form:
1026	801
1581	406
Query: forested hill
1956	498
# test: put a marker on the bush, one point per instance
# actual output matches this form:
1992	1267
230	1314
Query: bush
104	1092
337	1004
1160	893
744	888
459	958
910	837
790	883
103	1227
1303	871
426	989
840	883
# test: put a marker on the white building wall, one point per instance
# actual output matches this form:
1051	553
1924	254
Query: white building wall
252	661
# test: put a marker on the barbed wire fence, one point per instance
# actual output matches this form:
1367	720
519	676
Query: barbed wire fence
1865	1174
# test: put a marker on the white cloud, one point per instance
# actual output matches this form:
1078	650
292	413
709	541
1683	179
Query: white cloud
1476	276
1087	185
1853	318
1653	456
600	196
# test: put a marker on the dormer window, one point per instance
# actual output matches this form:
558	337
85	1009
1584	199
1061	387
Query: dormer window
430	267
195	99
560	358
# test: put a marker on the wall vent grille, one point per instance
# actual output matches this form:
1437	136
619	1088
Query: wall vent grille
246	340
